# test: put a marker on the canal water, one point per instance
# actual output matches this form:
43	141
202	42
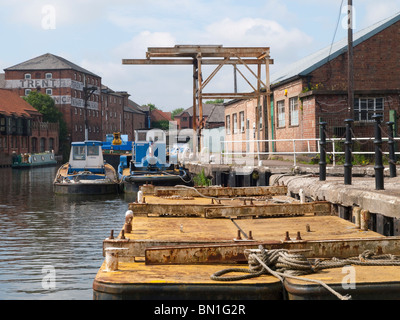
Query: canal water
51	245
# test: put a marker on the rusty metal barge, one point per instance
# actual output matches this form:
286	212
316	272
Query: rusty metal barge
253	243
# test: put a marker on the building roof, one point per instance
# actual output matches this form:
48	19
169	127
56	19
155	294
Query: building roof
12	104
48	61
310	63
2	80
133	107
158	115
208	108
217	114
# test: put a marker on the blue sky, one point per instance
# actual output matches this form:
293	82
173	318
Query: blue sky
98	34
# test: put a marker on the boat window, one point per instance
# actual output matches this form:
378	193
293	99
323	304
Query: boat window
79	153
93	150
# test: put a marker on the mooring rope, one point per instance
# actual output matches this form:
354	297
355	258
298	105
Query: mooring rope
284	264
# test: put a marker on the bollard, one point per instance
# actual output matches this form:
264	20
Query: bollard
302	196
140	196
348	165
356	216
392	151
128	221
378	153
364	220
322	152
112	259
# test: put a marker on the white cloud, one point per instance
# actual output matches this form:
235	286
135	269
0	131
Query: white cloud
379	10
160	85
137	46
284	43
67	13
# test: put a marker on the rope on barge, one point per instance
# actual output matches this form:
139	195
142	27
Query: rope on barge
283	264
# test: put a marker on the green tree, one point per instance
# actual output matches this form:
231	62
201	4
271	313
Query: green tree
215	101
162	124
47	107
151	106
176	112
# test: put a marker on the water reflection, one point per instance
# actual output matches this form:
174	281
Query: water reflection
42	229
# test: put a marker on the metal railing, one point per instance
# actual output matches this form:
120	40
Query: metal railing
312	148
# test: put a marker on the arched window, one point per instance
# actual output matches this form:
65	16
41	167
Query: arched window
42	144
51	144
34	145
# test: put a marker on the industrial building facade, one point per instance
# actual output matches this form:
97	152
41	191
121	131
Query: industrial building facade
78	94
314	89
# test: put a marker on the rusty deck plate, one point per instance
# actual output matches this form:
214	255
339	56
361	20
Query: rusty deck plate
174	231
214	191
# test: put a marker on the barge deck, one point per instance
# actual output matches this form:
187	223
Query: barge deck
173	243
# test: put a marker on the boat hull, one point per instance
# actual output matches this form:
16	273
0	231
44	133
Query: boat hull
86	188
132	183
36	160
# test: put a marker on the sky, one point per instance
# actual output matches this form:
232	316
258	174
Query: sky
98	34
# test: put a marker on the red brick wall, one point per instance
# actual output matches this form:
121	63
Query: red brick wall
324	94
248	107
376	64
73	115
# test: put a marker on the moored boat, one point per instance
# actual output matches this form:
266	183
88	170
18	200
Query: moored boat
86	172
30	160
150	163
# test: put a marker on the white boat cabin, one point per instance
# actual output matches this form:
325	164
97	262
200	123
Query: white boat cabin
86	156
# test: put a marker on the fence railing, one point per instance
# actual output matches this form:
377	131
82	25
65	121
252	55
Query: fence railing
312	148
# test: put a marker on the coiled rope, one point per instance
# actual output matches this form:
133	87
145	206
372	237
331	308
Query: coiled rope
284	264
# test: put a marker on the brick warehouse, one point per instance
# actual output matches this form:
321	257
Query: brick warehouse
315	89
67	83
22	129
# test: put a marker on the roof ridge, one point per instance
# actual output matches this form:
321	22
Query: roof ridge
39	62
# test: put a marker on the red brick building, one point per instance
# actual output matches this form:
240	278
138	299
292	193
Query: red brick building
65	82
78	94
213	115
315	89
22	129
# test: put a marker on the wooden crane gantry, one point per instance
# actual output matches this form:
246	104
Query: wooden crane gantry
199	55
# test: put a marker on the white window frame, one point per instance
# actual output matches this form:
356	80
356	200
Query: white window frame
49	75
235	123
366	107
294	111
228	124
49	91
280	112
241	117
27	76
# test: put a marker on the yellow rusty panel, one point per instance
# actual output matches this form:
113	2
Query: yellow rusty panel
181	229
363	274
321	227
138	272
201	229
